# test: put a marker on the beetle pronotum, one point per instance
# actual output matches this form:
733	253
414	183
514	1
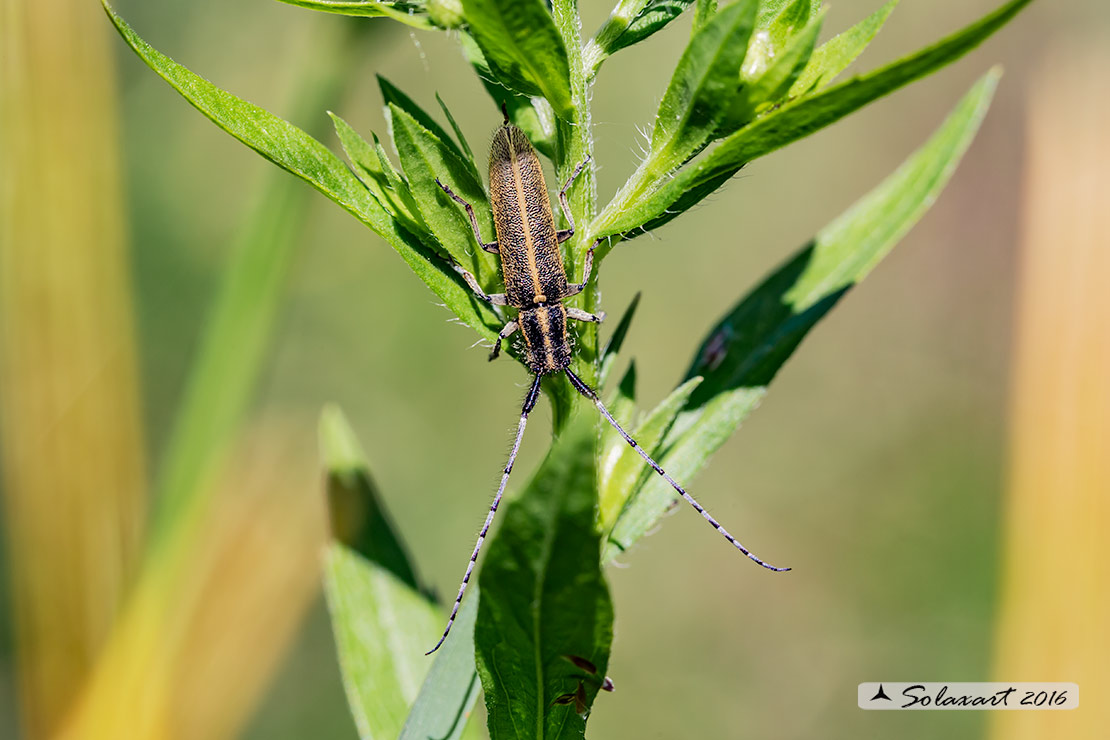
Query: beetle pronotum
536	285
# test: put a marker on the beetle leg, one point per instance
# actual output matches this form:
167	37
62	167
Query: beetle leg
563	234
496	299
579	315
576	288
508	330
488	246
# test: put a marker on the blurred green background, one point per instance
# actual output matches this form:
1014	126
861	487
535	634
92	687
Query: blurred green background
876	467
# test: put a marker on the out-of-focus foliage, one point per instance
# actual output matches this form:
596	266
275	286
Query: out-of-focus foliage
732	84
1052	601
166	625
72	442
194	637
381	616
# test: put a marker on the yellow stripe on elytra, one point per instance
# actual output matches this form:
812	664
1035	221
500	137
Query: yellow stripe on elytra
543	317
518	181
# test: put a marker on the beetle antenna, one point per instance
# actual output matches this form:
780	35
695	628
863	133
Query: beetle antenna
588	392
505	111
529	404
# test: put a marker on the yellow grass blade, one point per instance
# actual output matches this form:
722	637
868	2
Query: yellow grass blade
202	636
1055	611
70	437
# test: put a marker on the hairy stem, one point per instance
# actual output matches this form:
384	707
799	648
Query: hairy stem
575	144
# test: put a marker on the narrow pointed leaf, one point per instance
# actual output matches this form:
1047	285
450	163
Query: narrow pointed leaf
742	354
648	18
631	22
393	95
612	348
424	158
523	48
644	207
375	173
544	597
295	151
381	620
409	13
371	582
381	629
698	96
458	131
834	56
524	111
446	700
768	83
622	405
400	185
772	35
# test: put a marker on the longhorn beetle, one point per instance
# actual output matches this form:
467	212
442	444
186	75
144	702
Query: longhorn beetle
536	285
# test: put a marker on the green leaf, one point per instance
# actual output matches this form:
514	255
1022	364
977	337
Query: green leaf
524	111
834	56
393	96
703	11
704	83
766	83
742	354
613	347
785	11
381	628
381	620
612	445
358	520
523	48
647	17
424	158
398	184
295	151
378	175
772	35
446	699
447	14
458	131
544	597
409	13
622	472
650	202
631	22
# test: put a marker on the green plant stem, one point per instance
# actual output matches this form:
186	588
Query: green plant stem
575	144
